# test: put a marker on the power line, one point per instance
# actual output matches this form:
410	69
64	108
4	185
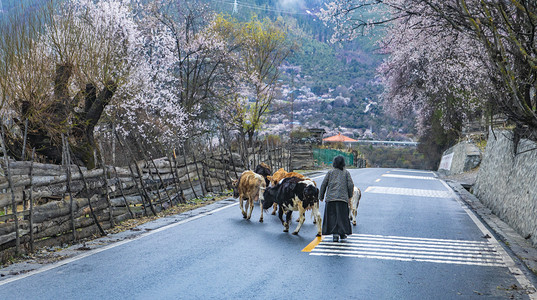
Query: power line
253	6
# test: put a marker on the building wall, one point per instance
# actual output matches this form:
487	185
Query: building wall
460	158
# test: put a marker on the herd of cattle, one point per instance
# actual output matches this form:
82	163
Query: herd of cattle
288	191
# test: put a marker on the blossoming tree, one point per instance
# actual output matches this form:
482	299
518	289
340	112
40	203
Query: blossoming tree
476	51
98	55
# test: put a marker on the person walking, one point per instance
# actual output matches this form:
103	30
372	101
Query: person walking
338	187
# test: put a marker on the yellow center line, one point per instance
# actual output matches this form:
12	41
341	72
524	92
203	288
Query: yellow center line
377	180
313	244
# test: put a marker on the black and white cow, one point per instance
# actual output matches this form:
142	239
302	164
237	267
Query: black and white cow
294	194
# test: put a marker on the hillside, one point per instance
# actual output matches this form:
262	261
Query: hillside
326	85
7	6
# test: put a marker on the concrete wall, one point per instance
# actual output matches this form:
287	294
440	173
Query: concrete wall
460	158
507	182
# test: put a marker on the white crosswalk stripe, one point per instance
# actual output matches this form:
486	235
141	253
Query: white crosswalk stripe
409	176
414	171
408	192
480	253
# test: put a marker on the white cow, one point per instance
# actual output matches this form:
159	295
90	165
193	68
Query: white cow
353	203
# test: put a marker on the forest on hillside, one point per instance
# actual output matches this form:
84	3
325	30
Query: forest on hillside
322	84
344	69
335	69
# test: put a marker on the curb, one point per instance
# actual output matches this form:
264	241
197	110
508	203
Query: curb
525	253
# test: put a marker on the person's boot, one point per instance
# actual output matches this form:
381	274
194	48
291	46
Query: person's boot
335	238
343	236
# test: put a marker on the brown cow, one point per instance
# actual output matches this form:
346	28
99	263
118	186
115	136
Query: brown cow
281	174
250	186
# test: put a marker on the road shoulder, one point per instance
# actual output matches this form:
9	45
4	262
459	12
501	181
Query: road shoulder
519	247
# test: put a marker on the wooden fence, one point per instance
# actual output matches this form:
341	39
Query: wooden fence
44	204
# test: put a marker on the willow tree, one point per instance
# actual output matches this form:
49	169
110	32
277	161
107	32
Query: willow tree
62	69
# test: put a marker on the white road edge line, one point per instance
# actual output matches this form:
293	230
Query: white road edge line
520	277
113	245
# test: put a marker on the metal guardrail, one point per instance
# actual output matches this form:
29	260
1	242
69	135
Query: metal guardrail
388	143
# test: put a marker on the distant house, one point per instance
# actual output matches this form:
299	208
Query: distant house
339	138
317	134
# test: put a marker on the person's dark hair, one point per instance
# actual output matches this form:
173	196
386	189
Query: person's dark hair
339	162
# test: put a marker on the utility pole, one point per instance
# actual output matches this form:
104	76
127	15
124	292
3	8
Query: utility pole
292	101
235	7
292	109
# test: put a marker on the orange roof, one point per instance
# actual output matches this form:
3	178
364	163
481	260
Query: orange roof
339	138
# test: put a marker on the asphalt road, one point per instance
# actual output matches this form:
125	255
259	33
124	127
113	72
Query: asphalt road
413	240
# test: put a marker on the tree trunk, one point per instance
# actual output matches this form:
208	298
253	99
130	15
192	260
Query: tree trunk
61	117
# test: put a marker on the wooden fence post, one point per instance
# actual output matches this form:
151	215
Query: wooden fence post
31	217
177	188
201	180
143	193
24	139
86	186
289	159
227	181
153	179
122	193
150	175
113	145
279	156
105	179
206	171
67	162
211	149
232	162
139	190
180	190
188	173
161	181
146	194
13	202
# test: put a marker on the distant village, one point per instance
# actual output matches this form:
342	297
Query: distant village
298	107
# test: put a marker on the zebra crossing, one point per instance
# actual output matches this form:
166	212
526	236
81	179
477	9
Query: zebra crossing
413	171
408	192
480	253
409	176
